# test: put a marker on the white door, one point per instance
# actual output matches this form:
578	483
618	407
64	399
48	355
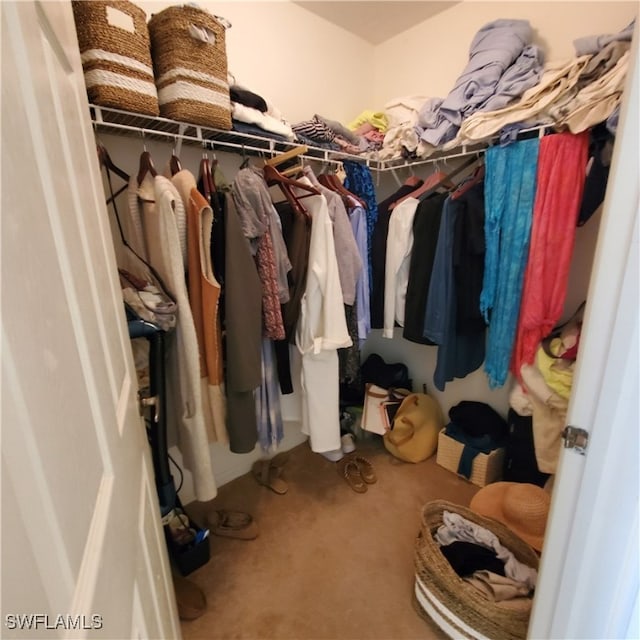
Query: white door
589	573
82	545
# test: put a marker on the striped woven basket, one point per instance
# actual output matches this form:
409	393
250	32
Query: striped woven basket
455	606
188	48
116	55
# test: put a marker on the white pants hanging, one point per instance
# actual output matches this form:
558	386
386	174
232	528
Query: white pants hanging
321	400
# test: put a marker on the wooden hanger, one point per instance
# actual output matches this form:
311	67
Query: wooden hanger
204	174
331	181
174	164
446	181
146	166
292	171
413	181
105	161
283	157
476	177
273	176
439	178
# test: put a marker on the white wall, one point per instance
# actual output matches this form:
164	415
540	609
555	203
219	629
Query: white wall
298	61
427	59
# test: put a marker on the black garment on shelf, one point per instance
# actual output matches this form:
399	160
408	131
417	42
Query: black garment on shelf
479	419
467	557
520	464
378	253
426	226
255	130
248	98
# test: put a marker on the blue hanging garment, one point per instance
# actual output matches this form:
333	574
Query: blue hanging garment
510	188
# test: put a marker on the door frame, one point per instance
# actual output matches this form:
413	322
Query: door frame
588	583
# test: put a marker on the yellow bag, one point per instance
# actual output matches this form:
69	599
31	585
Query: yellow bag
416	426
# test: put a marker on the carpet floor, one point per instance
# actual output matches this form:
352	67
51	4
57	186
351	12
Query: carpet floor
329	563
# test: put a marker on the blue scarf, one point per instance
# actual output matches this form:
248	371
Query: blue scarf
510	188
360	183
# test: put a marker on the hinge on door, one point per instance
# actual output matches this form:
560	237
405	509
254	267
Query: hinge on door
576	439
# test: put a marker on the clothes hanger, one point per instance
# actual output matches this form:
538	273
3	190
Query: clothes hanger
273	176
288	155
174	163
204	175
292	171
146	164
105	161
412	180
245	159
446	181
476	177
435	180
331	181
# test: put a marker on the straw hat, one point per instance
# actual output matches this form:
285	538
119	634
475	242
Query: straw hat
520	506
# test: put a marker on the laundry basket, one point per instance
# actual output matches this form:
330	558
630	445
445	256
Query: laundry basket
451	603
188	48
116	55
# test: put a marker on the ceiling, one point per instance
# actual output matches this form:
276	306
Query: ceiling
376	21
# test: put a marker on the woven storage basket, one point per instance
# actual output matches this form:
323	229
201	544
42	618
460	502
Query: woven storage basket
455	606
116	55
191	73
486	467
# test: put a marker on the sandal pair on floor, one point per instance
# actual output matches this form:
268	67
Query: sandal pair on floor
358	472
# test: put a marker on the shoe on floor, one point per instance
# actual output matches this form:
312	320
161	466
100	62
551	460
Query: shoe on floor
232	524
348	443
333	456
349	469
366	469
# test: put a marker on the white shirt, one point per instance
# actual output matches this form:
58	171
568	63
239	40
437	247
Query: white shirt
398	259
322	325
321	330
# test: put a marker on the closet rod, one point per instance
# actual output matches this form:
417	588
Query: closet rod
476	148
134	123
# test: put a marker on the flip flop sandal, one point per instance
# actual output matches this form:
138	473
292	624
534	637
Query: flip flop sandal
269	476
366	469
352	475
232	524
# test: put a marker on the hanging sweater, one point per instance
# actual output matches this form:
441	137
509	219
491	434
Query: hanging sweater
204	296
162	203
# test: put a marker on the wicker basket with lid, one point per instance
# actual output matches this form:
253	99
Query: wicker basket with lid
188	47
116	55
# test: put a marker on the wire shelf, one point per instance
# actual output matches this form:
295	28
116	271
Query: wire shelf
111	120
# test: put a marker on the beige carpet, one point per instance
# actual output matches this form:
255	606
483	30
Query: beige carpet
329	563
